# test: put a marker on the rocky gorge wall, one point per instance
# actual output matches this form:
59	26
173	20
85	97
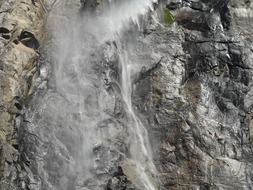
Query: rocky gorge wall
20	22
197	99
192	91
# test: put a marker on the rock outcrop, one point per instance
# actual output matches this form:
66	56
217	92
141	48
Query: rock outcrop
191	89
21	29
197	100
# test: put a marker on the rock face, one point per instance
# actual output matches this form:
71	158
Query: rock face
20	29
191	89
197	101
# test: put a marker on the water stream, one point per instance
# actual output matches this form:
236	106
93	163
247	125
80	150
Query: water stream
139	147
93	78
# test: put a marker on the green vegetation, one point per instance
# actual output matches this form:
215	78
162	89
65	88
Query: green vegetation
168	16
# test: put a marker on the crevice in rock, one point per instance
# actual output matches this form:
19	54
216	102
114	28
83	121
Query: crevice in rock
4	30
29	40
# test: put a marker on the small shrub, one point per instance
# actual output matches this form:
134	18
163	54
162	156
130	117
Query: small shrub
168	16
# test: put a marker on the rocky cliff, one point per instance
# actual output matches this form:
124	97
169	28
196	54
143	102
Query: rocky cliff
197	100
65	118
21	27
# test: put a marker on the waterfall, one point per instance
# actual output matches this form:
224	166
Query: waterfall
87	49
140	147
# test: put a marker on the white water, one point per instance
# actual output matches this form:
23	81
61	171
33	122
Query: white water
75	39
140	147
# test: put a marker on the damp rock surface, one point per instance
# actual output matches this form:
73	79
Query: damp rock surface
197	103
66	119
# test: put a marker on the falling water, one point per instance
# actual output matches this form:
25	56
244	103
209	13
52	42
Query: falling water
140	147
77	41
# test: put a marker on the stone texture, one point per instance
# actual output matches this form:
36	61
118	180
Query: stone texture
197	103
19	63
192	90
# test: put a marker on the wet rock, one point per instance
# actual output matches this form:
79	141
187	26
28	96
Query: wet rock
191	89
208	131
119	181
173	4
198	5
90	4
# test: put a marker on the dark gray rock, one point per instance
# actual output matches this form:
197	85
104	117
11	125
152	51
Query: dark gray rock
200	121
192	90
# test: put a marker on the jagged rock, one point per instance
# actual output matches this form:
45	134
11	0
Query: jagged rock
192	90
174	4
213	86
18	66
